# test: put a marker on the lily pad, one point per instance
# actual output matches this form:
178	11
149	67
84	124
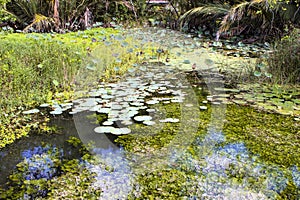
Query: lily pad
108	123
44	105
104	129
142	118
152	102
186	62
150	110
32	111
203	107
126	122
120	131
149	123
171	120
56	112
240	102
104	110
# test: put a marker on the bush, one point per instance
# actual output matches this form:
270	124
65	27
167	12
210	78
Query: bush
284	61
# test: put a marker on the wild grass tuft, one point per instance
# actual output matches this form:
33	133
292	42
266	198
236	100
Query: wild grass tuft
284	62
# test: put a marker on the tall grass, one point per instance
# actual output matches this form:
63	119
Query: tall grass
284	61
30	67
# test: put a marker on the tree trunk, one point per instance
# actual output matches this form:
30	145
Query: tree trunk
56	14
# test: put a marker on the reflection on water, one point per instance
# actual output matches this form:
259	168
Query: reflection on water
34	144
221	171
116	180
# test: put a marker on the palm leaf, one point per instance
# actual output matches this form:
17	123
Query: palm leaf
207	13
260	12
40	23
25	11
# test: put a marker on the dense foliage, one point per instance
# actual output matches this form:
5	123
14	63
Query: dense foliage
284	62
268	19
61	15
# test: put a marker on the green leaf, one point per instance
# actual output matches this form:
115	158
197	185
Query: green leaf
268	75
186	62
55	82
257	73
209	62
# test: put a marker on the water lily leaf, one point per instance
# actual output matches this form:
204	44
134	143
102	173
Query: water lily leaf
56	112
171	120
124	44
44	105
186	62
152	102
257	73
149	123
297	101
120	131
90	67
119	37
142	118
32	111
268	75
209	62
239	96
104	110
126	122
104	129
131	70
203	107
55	82
260	65
240	102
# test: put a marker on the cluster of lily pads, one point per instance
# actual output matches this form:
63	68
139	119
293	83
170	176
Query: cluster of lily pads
170	38
132	99
285	103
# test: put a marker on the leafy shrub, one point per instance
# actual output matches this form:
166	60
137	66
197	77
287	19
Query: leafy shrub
284	61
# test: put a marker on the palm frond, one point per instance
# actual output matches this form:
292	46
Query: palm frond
258	11
40	23
207	13
25	10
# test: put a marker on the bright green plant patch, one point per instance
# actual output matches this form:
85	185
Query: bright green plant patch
37	68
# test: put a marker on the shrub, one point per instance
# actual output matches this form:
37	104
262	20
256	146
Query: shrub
284	61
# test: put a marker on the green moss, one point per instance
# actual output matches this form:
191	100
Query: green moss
164	184
275	138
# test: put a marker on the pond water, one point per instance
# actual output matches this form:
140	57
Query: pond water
187	151
158	133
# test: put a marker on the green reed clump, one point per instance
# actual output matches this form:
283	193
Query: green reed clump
284	61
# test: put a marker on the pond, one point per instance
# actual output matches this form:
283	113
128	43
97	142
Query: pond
160	132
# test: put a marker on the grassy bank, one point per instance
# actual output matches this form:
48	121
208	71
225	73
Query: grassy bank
40	68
